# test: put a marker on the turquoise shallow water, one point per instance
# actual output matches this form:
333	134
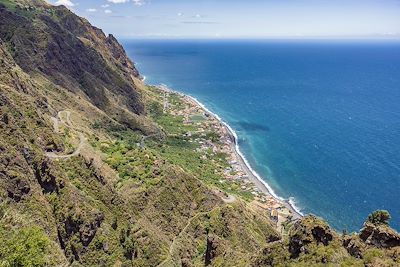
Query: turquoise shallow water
318	120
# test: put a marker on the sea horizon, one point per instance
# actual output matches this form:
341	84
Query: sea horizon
252	136
390	39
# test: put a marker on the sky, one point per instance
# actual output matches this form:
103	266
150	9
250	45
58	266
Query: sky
242	18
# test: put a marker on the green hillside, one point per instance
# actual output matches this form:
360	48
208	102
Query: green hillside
94	173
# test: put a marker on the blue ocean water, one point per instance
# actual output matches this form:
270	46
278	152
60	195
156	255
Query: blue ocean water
318	120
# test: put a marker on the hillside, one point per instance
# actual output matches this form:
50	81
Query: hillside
54	44
94	173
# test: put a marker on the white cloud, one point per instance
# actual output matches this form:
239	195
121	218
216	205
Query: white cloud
105	6
180	14
107	11
138	2
67	3
198	16
91	10
135	2
118	1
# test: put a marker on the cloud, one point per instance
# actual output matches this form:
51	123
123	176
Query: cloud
135	2
67	3
180	14
118	1
107	11
105	6
91	10
138	2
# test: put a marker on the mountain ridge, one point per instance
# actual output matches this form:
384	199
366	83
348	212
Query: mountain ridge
68	51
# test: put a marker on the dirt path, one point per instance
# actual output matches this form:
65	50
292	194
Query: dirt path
68	118
56	124
68	123
146	137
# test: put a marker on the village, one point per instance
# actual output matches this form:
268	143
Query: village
280	212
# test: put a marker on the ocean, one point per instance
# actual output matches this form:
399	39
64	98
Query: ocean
319	121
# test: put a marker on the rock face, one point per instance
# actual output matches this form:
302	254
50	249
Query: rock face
17	189
306	231
211	251
353	246
380	236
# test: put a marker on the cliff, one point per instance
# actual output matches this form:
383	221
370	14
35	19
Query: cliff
65	49
93	173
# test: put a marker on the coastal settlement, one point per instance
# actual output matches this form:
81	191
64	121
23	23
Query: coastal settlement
224	142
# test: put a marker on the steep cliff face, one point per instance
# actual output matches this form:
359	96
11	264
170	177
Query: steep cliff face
71	53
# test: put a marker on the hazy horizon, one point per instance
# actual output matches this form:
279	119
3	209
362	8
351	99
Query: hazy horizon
253	19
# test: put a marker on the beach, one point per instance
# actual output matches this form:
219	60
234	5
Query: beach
279	209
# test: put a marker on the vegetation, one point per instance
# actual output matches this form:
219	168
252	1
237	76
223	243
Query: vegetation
24	247
379	217
141	192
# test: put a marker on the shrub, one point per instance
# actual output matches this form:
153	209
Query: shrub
379	217
23	247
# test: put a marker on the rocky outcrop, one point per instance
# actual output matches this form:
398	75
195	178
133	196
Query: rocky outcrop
380	236
77	230
306	231
119	54
353	246
17	188
46	177
212	249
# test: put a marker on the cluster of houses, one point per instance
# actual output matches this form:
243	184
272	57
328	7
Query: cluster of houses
278	212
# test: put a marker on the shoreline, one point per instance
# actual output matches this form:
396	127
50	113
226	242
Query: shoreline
254	177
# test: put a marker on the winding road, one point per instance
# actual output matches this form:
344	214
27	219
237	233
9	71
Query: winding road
68	123
145	137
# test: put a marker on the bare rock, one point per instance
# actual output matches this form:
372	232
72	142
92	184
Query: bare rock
309	229
212	249
380	236
353	246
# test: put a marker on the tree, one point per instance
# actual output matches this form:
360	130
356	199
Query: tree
379	217
155	109
23	247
